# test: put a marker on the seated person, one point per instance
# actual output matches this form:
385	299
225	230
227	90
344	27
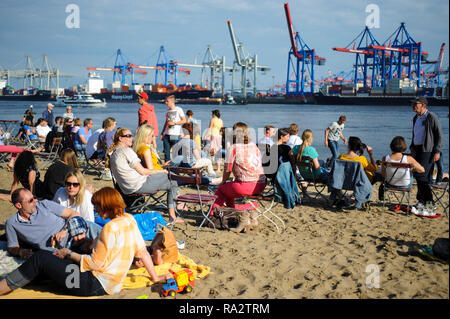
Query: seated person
75	195
36	224
105	139
26	173
164	248
29	130
42	129
105	269
190	153
142	146
54	177
243	159
269	133
400	177
355	150
306	149
132	177
82	235
83	134
294	139
279	153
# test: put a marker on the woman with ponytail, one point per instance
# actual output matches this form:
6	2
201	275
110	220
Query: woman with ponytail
306	149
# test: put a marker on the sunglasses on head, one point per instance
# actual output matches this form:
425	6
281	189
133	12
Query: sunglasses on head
72	184
127	135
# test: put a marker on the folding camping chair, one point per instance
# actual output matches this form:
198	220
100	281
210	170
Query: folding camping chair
93	164
438	191
318	184
139	202
192	176
266	201
49	157
31	144
389	189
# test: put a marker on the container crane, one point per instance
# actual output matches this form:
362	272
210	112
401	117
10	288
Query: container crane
246	63
302	60
432	77
121	67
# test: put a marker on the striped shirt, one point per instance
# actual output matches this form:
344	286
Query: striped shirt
118	243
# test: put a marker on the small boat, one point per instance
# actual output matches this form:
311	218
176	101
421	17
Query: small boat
80	99
229	100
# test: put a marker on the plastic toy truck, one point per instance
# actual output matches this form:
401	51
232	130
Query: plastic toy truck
182	281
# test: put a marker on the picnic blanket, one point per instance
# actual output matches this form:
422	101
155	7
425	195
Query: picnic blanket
139	277
136	278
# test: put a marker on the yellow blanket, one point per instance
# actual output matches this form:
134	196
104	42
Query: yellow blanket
139	278
136	278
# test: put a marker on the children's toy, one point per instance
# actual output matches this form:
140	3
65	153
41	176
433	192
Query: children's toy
182	281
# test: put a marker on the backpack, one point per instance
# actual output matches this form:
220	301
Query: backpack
224	218
441	248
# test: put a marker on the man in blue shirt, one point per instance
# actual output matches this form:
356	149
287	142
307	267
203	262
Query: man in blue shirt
83	134
36	224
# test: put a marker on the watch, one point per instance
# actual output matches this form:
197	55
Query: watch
68	255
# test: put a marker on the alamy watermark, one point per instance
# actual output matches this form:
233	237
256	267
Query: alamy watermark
73	277
373	280
73	19
373	19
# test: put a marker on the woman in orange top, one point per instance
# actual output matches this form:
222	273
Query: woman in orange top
104	270
355	150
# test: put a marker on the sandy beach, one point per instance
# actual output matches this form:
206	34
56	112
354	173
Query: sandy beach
321	254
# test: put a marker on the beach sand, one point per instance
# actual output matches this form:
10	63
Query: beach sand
321	254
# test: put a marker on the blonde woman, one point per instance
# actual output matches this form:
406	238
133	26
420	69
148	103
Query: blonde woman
143	147
306	149
132	177
75	195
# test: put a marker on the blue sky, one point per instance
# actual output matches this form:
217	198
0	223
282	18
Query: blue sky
185	28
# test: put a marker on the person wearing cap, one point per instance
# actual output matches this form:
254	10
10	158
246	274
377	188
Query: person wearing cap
82	234
426	146
48	115
147	114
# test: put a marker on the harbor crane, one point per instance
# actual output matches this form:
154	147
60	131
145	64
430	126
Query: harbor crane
247	64
432	76
397	57
121	67
301	61
46	77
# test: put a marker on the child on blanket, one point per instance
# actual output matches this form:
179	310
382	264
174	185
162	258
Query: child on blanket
163	249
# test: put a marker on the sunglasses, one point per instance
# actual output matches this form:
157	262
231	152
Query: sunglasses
68	184
127	135
32	199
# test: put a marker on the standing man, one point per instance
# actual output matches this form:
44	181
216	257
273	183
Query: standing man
426	146
147	114
172	127
332	135
48	115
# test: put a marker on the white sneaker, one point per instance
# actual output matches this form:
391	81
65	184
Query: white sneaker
425	213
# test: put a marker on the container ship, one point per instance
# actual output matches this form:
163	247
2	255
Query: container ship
32	95
156	93
396	92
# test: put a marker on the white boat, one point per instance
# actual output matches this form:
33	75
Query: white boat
80	99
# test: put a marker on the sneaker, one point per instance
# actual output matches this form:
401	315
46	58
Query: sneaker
216	181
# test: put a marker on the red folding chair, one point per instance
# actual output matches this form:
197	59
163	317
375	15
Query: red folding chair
193	177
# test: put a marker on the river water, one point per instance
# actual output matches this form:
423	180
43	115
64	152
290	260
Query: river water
375	125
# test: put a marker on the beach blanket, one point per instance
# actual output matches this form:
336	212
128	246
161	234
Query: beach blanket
136	278
7	262
139	277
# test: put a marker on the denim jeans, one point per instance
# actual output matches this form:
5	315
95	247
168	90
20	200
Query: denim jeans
440	170
424	193
63	272
334	148
168	142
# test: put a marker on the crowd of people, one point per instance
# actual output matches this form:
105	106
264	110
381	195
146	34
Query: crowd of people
55	223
